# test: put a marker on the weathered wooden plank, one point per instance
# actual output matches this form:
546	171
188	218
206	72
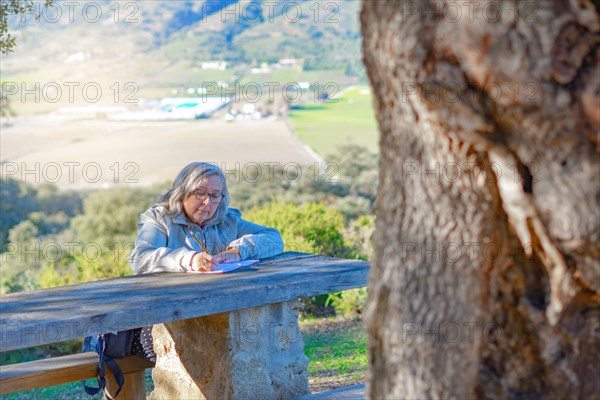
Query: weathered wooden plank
58	370
58	314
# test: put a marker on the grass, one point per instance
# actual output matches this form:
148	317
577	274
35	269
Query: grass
337	350
347	119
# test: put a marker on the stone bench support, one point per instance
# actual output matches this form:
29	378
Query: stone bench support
254	353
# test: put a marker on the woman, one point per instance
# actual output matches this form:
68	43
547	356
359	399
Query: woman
196	209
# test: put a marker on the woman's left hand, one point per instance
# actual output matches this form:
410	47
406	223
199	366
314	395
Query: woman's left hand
228	256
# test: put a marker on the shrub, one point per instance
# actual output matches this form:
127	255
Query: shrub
357	236
350	303
77	268
310	228
17	200
111	215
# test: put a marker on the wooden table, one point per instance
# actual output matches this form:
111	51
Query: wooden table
69	312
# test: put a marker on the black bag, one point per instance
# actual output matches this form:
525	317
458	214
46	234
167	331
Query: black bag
116	345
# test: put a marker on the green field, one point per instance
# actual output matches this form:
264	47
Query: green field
347	119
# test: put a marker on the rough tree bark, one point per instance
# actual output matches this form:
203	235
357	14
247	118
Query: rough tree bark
486	272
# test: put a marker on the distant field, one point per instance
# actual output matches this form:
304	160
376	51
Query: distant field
326	126
35	95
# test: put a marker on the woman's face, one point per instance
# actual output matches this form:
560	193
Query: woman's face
200	205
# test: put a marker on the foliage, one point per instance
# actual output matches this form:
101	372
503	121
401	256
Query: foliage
357	236
349	303
358	169
47	223
110	216
47	250
293	185
46	207
32	218
8	8
352	206
310	228
51	200
17	200
100	263
24	231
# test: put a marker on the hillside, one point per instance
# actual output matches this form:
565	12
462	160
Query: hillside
162	43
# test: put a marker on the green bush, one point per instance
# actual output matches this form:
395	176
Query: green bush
55	250
310	228
17	200
111	216
51	200
349	303
357	236
44	205
78	267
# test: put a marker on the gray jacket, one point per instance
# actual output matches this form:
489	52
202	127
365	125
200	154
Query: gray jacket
165	244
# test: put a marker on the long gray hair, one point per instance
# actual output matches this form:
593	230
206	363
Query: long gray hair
187	181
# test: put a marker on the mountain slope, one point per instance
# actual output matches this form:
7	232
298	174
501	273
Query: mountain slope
140	40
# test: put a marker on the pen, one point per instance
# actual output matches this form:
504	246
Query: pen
199	242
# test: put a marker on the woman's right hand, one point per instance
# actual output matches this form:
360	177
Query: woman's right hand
203	262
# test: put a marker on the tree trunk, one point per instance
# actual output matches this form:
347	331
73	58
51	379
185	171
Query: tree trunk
486	271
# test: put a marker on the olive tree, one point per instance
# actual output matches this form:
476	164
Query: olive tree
486	271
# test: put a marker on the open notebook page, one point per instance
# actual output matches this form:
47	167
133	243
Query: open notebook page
228	267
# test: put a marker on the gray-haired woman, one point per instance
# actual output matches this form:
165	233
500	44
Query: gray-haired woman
196	209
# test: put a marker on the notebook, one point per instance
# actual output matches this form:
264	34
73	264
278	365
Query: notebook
228	267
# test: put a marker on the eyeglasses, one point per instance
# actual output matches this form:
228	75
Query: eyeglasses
215	198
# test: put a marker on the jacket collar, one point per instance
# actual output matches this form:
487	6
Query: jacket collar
181	219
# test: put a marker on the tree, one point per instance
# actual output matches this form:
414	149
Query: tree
110	216
8	8
486	273
17	200
24	231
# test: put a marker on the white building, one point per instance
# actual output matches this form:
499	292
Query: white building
218	65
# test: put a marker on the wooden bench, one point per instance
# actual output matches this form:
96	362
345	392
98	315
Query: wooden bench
52	315
71	368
